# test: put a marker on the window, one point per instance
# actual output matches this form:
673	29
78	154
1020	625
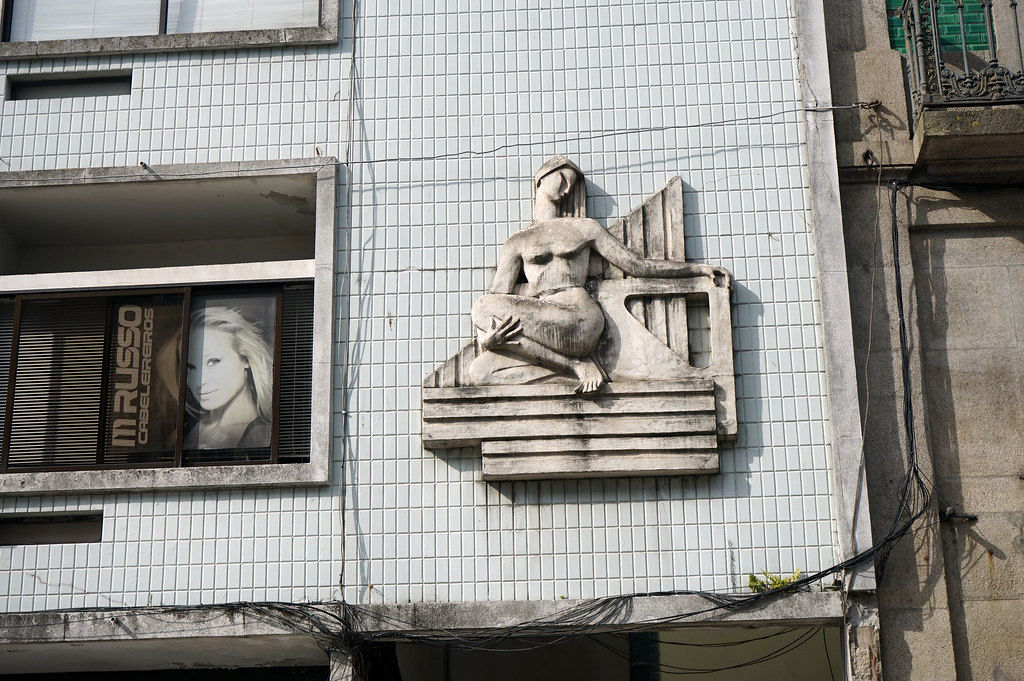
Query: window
73	84
97	379
166	327
947	14
60	19
51	528
89	26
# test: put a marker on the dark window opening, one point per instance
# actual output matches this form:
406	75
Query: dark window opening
157	377
765	653
51	528
52	86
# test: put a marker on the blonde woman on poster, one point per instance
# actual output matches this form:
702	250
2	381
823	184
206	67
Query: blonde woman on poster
230	382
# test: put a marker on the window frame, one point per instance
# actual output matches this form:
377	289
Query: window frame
180	454
320	270
324	33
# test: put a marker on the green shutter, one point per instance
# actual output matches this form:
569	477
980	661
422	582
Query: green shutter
948	25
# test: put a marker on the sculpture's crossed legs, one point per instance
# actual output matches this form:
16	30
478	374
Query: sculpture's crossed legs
526	340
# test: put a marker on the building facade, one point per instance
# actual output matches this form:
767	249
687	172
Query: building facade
929	186
355	169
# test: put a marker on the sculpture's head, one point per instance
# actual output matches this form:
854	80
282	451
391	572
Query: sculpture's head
560	182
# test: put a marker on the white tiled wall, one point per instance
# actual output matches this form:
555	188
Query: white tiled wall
183	547
508	83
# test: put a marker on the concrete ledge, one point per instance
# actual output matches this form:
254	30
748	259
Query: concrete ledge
986	138
170	172
233	635
802	608
76	641
323	34
228	621
233	273
205	477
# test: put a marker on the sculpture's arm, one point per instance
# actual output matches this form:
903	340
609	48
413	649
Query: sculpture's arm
509	265
616	252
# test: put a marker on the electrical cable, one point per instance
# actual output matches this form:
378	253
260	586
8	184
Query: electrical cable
723	644
914	498
601	134
346	363
828	657
675	670
343	624
156	175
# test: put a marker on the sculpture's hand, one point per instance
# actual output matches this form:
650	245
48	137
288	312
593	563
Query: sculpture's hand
501	333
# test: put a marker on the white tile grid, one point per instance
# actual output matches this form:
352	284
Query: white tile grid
422	527
180	548
247	105
188	547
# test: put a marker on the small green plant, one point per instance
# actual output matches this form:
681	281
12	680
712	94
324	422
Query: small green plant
770	581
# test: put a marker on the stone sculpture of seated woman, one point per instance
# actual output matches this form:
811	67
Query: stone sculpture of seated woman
548	327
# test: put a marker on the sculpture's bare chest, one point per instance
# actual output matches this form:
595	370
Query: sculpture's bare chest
551	241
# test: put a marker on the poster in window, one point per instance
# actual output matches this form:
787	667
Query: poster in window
230	373
142	384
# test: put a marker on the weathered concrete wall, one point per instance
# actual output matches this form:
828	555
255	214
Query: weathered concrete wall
914	620
970	293
950	595
865	69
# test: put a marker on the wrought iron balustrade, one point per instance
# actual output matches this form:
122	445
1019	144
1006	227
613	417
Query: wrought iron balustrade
963	52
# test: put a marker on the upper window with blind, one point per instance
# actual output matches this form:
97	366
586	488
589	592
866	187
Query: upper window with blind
160	24
187	376
167	327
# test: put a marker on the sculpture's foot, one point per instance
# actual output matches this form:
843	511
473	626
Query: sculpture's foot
591	377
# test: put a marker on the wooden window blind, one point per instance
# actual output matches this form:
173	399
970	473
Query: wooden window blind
108	380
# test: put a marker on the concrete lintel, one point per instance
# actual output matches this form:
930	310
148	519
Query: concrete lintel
171	171
82	626
235	273
947	138
229	621
798	609
324	33
232	636
315	473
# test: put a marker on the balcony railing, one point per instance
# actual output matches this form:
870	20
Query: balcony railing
963	52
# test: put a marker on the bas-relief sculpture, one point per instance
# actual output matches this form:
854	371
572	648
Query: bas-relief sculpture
581	366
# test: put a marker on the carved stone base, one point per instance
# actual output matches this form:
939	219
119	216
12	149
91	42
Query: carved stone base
547	431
